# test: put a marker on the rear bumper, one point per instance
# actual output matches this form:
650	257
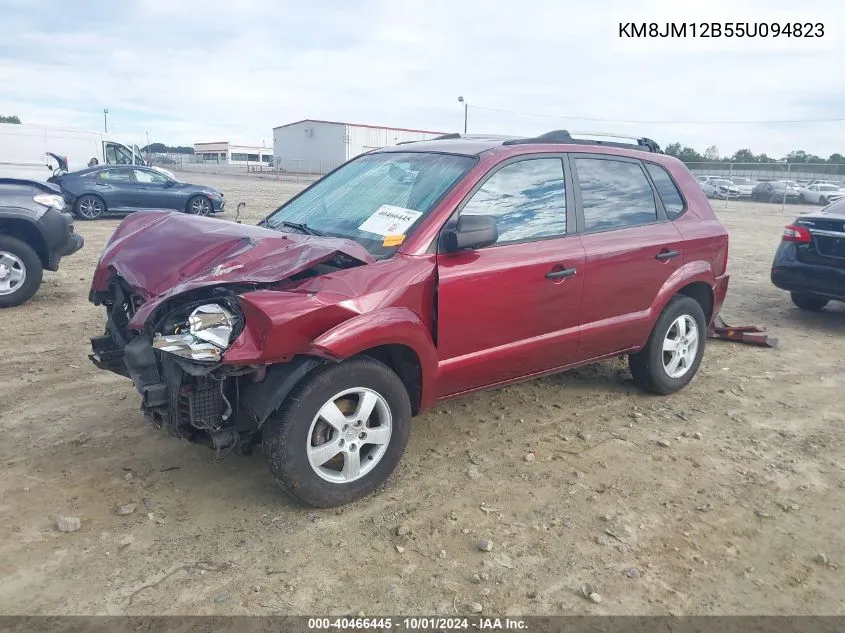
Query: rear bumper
792	275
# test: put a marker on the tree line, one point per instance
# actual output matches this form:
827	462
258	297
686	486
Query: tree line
834	164
161	148
10	119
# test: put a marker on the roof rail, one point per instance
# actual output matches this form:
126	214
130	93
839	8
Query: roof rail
563	136
456	135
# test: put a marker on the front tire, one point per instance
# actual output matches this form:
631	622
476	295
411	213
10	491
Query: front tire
199	205
672	355
20	271
811	303
340	434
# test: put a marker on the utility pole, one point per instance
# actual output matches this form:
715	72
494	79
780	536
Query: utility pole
461	100
106	119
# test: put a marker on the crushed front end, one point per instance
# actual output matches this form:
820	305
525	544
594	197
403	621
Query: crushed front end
175	363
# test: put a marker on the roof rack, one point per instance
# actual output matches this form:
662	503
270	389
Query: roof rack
563	136
467	137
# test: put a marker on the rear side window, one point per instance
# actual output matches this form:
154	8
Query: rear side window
667	190
615	194
116	175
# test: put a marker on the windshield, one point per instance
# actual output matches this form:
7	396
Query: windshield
376	199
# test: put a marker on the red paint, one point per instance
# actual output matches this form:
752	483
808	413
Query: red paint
474	319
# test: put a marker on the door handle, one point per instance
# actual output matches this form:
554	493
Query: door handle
665	255
561	274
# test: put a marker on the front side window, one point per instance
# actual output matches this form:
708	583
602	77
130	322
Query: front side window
148	177
527	198
667	190
376	199
615	194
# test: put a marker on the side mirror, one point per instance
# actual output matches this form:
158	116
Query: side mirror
471	231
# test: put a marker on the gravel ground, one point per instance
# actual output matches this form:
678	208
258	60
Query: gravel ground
725	498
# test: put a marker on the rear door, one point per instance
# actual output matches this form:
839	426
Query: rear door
116	186
511	309
631	248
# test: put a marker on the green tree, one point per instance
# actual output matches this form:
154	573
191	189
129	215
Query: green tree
711	153
744	156
10	119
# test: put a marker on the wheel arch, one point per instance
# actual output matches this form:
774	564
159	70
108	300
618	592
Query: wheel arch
28	233
395	336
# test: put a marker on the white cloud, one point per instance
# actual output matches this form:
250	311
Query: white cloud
191	71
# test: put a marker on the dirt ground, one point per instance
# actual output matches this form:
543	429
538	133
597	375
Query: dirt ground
731	517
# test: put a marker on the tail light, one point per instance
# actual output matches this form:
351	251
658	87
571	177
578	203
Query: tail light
797	234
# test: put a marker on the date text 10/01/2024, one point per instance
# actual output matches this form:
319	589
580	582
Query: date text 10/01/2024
721	29
416	624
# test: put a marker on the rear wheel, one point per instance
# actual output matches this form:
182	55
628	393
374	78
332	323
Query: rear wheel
340	434
811	303
90	207
199	205
823	201
673	353
20	271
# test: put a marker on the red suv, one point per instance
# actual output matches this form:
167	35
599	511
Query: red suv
409	275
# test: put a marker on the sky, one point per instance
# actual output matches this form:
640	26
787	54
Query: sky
186	71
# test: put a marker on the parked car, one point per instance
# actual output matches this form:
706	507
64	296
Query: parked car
821	182
35	234
410	275
810	260
97	191
820	194
725	188
775	191
744	186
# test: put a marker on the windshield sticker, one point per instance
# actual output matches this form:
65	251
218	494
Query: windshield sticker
390	220
393	240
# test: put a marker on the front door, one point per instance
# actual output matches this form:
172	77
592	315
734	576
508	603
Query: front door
511	309
154	191
631	247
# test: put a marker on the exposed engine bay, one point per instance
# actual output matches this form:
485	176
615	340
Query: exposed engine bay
175	366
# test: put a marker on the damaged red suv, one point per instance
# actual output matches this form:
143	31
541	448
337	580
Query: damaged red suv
409	275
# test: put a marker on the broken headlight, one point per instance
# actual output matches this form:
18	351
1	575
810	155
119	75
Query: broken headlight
205	335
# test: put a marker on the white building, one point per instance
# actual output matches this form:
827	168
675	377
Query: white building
317	147
223	152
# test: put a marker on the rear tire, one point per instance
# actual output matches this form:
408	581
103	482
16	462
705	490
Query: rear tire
20	271
672	355
810	303
823	201
89	207
350	466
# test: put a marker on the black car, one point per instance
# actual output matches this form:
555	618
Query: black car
35	234
96	191
775	191
810	261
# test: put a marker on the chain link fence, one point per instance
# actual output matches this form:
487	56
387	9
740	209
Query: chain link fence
779	183
290	170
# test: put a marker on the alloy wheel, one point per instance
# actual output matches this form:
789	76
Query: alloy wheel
12	273
349	435
680	346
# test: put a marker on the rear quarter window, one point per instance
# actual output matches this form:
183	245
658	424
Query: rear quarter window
668	191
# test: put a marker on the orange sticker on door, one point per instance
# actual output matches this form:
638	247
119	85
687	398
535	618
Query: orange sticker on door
393	240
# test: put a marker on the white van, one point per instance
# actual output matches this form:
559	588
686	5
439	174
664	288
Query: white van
25	149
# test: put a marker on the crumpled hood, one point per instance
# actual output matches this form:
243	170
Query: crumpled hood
161	254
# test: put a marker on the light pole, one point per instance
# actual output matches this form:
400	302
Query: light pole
461	100
106	119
